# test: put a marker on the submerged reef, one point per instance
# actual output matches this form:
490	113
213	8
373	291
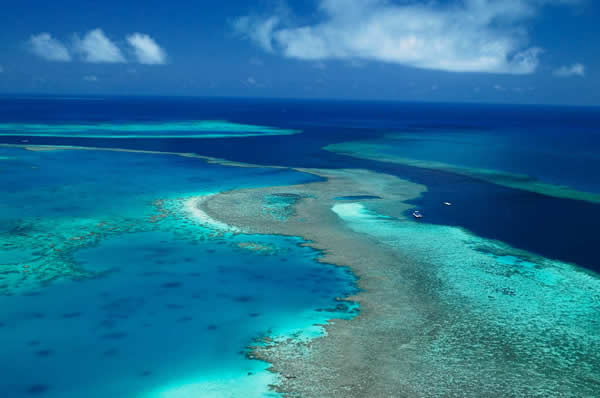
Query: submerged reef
377	151
187	129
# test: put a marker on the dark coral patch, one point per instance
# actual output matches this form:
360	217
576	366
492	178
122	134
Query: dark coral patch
171	285
44	353
111	352
37	389
243	299
212	327
114	336
72	315
107	323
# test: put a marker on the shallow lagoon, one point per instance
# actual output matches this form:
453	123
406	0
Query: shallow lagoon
167	315
110	289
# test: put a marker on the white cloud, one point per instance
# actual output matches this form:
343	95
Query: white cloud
90	78
45	46
466	36
568	71
260	31
95	47
146	50
251	81
498	87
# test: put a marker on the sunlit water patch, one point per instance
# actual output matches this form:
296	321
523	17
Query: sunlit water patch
507	314
184	129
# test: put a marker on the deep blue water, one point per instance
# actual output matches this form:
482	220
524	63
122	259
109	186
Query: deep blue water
558	155
556	228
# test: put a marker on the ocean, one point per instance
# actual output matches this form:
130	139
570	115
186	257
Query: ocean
108	287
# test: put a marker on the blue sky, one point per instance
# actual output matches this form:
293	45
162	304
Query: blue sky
516	51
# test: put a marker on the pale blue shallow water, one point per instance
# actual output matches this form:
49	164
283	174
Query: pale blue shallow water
100	297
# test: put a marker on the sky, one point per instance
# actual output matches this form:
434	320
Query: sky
507	51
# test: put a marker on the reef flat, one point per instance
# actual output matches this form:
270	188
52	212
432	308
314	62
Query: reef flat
442	312
378	152
187	129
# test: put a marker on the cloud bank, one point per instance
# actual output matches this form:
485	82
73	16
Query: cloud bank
462	36
568	71
96	47
45	46
146	50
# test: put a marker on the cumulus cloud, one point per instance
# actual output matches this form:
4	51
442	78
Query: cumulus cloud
95	47
462	36
45	46
568	71
146	50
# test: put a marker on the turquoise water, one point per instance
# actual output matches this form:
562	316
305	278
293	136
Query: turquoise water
88	237
357	197
185	129
526	322
110	288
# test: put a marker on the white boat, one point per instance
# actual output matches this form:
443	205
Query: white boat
448	203
417	214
